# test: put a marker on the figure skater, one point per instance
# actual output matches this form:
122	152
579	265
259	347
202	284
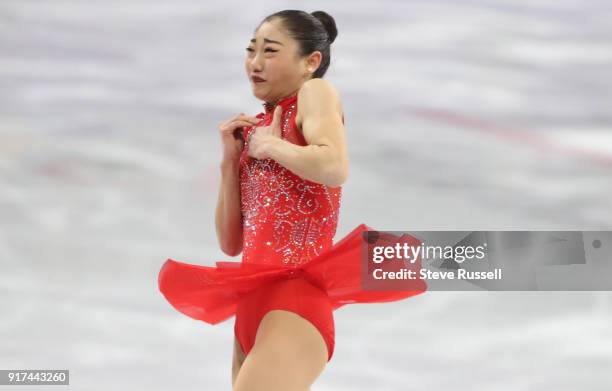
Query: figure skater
281	182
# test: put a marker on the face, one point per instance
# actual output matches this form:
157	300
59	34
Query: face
272	55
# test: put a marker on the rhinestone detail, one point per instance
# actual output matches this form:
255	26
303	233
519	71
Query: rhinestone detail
286	219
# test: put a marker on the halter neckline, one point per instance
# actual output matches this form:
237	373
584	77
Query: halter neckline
270	106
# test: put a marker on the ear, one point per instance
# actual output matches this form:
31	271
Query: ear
313	61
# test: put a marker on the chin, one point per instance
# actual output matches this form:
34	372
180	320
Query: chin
259	95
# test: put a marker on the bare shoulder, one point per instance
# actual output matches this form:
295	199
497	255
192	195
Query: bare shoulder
317	97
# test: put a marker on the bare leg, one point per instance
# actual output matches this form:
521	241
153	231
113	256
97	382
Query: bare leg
288	355
237	360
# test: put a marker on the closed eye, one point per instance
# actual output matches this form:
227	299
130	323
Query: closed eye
267	49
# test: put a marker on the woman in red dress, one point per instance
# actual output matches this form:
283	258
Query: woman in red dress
279	200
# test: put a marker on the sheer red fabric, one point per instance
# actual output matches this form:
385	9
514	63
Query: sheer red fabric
210	293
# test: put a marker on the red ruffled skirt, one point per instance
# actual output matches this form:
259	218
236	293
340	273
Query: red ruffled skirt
249	290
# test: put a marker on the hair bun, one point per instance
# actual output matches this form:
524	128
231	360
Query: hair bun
328	22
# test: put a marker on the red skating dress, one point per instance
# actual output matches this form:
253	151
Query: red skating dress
289	261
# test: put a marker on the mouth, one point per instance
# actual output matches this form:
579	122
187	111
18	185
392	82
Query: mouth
257	79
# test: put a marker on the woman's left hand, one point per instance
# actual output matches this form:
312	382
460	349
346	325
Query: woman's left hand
260	138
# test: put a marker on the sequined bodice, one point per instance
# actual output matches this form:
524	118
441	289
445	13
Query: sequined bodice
286	219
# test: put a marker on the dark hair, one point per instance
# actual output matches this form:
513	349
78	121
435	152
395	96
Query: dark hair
312	31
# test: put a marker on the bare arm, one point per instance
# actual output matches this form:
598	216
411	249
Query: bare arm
228	217
324	160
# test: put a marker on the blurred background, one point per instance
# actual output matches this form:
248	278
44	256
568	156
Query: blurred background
471	115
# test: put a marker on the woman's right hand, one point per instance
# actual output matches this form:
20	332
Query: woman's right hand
232	137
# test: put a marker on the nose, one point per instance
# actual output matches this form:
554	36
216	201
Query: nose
256	62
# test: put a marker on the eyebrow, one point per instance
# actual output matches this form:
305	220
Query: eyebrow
267	40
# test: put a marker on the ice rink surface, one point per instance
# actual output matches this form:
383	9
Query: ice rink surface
470	115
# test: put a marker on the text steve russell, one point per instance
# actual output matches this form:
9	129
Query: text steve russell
460	274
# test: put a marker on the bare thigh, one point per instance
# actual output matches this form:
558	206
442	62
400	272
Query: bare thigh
237	360
289	354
